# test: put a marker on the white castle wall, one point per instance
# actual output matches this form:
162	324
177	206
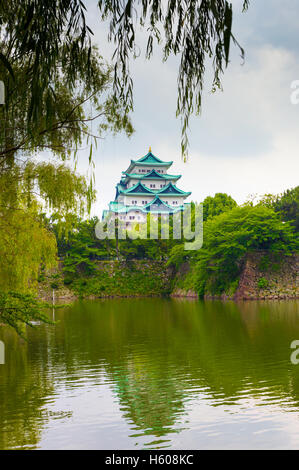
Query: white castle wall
158	183
171	200
138	170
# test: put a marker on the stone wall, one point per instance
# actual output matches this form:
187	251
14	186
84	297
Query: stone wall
266	276
263	276
136	278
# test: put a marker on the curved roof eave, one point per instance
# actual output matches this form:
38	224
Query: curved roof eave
137	163
177	192
148	176
131	190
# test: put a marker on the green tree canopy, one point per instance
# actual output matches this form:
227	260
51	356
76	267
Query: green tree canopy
217	204
288	206
230	235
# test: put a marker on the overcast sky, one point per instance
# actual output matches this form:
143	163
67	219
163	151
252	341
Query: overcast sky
246	140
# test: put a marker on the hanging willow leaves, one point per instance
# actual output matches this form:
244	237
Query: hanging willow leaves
66	116
37	31
194	30
58	95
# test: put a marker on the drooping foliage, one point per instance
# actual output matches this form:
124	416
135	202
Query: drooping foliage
58	96
63	191
46	32
41	43
69	113
18	309
196	31
25	241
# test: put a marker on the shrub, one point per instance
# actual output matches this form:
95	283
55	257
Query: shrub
67	281
262	283
54	285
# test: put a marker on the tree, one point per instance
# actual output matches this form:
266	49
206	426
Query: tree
288	206
43	45
26	243
216	205
70	112
195	30
230	235
81	247
58	96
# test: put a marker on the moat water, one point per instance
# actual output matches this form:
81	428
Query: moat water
153	374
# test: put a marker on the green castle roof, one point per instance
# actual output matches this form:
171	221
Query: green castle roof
142	190
138	188
152	175
150	158
156	205
172	189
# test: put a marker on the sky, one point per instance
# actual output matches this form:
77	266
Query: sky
246	140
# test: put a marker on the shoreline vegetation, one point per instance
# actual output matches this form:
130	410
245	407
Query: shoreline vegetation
262	278
249	252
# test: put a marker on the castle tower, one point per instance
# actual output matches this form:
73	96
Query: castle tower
146	187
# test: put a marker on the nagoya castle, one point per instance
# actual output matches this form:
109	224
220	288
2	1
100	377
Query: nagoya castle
146	187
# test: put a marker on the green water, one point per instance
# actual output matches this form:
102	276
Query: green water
153	373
